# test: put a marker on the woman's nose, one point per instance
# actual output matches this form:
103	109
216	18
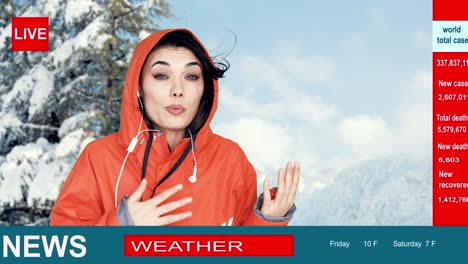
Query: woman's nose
177	90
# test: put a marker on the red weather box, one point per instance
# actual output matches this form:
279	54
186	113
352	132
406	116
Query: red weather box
208	245
30	34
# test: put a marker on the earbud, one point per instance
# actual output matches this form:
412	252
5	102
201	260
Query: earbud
193	178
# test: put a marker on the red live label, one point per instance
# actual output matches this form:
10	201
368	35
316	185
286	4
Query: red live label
30	34
209	245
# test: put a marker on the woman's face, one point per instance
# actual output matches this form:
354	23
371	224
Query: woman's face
172	84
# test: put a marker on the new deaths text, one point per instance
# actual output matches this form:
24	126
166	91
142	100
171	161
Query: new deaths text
454	117
454	146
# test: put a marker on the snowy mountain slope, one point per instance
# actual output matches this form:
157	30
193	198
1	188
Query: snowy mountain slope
395	190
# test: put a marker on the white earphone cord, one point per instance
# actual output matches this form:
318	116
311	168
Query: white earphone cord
132	145
193	178
130	149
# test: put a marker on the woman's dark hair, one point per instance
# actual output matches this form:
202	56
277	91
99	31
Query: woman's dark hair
210	72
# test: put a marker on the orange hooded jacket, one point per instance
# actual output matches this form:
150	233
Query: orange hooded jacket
224	193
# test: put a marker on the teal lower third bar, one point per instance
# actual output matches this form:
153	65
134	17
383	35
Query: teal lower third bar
311	244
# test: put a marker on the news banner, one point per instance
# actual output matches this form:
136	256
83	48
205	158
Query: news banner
445	239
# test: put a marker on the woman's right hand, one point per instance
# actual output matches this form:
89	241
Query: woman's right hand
149	213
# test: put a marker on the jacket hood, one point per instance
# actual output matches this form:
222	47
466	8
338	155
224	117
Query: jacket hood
130	112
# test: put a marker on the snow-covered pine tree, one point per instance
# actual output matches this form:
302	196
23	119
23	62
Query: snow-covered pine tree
53	103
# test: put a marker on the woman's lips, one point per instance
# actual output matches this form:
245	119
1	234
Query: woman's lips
175	109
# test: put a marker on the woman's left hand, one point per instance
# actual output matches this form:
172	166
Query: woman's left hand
284	198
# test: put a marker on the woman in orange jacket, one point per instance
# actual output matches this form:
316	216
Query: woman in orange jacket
165	166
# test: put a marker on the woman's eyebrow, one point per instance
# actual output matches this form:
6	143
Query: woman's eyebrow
165	63
160	62
193	63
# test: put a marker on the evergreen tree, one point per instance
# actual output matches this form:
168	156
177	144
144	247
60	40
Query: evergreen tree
71	92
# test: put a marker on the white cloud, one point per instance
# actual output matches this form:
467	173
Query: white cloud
291	97
422	83
256	69
310	69
377	17
247	106
272	114
304	109
288	68
312	109
422	39
265	143
369	136
358	40
277	89
372	136
268	92
414	131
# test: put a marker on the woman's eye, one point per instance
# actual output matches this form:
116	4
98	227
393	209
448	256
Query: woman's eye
193	77
160	76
